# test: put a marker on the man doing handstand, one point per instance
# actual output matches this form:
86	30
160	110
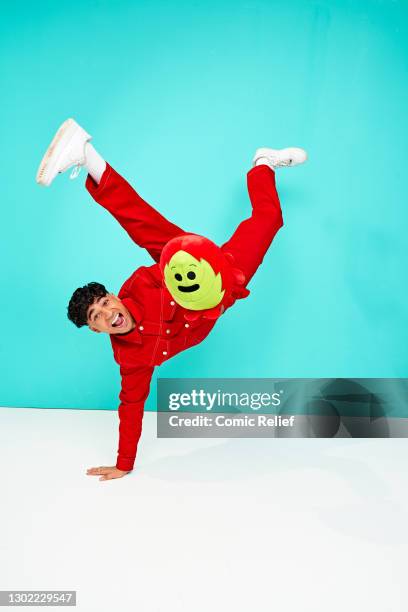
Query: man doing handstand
173	304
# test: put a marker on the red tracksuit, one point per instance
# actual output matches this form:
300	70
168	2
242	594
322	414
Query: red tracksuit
161	330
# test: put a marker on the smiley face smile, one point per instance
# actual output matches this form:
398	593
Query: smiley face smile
188	289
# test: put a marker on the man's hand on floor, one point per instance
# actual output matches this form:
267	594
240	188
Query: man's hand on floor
106	472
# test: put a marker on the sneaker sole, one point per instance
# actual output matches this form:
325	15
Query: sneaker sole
296	152
51	157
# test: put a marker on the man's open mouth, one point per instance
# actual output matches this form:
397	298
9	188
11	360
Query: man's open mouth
118	320
188	289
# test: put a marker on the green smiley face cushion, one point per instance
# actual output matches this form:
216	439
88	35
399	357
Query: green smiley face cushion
200	276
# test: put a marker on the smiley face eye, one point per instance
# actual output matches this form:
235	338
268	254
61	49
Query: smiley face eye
191	275
178	277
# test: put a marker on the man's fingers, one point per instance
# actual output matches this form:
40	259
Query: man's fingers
103	469
110	476
106	472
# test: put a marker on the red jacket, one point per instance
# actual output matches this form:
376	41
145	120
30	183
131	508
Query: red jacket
161	331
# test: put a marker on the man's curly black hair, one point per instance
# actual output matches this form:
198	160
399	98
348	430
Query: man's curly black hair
80	301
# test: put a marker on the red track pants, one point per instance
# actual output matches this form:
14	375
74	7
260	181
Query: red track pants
150	230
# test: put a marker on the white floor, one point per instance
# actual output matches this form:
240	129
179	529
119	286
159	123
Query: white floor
284	525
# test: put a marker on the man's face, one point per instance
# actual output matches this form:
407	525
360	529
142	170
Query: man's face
192	283
109	315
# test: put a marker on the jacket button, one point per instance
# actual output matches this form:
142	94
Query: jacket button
164	352
186	325
168	331
172	303
141	327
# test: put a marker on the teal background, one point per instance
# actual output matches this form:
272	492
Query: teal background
177	96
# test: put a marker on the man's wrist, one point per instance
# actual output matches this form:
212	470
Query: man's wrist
124	464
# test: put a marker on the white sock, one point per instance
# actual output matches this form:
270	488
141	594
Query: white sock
263	161
94	163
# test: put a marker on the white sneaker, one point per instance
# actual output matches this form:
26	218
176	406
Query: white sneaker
67	149
278	158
